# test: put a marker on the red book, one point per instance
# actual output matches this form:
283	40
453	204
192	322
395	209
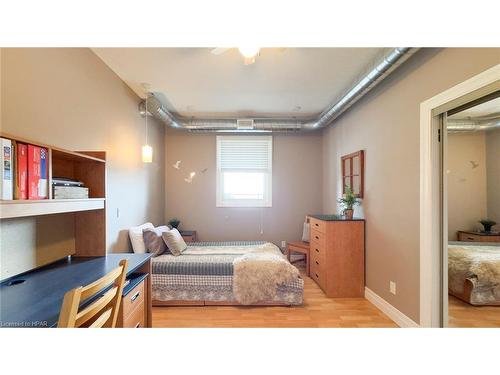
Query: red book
34	171
22	171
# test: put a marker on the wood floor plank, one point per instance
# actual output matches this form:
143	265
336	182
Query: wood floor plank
462	314
318	311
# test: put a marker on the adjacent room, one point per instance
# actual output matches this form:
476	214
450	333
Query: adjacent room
241	187
473	175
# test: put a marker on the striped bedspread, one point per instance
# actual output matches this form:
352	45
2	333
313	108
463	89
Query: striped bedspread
204	272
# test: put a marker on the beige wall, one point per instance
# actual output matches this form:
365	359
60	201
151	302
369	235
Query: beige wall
71	99
297	188
493	175
466	183
386	125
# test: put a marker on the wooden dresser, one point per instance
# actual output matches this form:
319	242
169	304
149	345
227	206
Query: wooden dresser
478	236
337	248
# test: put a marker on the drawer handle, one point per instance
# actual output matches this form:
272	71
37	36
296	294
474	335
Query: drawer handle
138	325
470	238
317	250
317	237
316	224
317	262
134	297
317	275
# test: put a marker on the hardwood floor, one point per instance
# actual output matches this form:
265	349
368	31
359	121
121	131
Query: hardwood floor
461	314
317	311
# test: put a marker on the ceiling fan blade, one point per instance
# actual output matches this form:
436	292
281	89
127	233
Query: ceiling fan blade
218	51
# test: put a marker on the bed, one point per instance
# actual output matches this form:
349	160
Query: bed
474	273
204	274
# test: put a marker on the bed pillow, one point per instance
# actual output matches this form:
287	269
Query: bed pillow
174	241
153	240
135	234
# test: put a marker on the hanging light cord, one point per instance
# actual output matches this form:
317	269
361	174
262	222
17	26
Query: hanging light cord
146	114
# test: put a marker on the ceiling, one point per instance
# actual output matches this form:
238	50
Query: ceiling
284	82
488	108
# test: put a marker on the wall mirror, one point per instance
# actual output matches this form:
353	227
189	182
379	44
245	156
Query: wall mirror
353	172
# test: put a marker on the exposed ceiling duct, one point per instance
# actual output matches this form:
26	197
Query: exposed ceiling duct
472	124
381	70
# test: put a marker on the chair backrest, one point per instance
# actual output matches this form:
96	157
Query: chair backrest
103	312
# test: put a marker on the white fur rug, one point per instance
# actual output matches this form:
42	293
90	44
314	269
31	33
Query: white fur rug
475	262
257	275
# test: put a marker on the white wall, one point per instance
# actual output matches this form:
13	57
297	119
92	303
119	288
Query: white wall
493	175
297	188
466	182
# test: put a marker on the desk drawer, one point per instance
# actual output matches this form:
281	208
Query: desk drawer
133	299
318	225
136	318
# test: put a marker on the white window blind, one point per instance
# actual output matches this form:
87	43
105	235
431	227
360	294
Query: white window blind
244	171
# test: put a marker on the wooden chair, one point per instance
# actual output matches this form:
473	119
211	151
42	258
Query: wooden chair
103	312
299	247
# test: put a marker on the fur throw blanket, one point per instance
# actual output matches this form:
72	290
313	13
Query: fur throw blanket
481	263
257	275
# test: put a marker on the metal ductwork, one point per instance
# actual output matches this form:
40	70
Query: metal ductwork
471	125
291	125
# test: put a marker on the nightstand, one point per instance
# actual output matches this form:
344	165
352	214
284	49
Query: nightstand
189	235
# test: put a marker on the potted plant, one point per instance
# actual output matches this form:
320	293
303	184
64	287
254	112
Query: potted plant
348	201
487	224
174	223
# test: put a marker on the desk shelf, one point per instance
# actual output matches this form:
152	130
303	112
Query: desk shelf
24	208
86	233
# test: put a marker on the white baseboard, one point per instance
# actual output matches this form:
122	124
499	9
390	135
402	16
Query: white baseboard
397	316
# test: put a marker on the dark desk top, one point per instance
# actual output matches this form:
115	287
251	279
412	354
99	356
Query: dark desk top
36	302
480	233
334	218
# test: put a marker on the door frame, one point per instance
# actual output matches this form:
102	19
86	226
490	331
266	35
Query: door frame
432	268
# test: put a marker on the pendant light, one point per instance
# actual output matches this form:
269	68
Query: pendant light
147	150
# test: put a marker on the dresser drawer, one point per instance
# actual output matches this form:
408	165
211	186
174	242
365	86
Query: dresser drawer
318	225
317	266
318	261
133	299
136	318
189	239
318	237
318	276
317	252
490	239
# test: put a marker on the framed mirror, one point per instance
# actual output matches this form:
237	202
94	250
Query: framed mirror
353	172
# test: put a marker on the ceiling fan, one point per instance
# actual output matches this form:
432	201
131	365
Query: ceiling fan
249	53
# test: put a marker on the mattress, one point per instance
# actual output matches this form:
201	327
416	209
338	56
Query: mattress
477	266
204	272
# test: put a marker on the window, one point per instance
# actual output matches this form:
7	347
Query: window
244	171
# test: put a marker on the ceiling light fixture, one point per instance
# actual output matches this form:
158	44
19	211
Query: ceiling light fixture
249	52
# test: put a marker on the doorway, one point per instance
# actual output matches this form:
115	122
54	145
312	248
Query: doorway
433	208
471	210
